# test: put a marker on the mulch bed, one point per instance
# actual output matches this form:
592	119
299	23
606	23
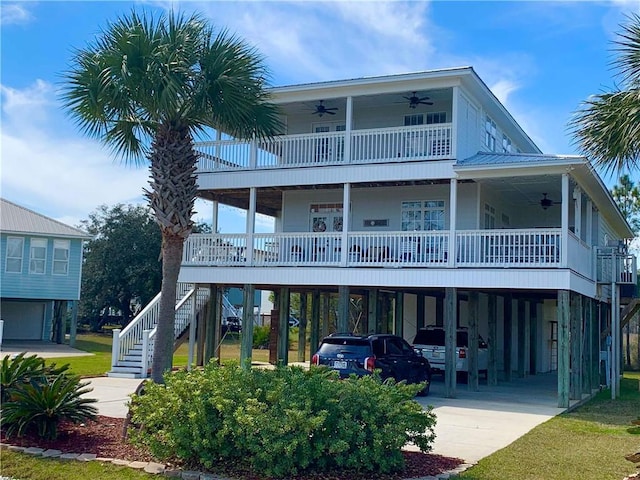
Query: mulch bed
104	438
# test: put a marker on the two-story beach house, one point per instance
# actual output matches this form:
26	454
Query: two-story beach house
40	273
418	198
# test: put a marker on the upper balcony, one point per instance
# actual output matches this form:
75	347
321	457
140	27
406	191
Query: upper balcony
439	115
376	145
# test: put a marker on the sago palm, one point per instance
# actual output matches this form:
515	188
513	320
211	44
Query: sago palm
607	125
146	87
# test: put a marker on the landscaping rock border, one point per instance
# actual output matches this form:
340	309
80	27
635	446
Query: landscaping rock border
161	469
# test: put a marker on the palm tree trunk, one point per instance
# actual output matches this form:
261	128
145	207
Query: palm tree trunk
172	196
165	335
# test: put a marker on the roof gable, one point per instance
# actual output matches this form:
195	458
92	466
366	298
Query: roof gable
17	219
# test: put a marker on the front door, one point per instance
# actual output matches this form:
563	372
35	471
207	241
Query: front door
329	148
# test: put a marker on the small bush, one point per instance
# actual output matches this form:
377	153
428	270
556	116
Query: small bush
38	396
22	370
261	336
280	422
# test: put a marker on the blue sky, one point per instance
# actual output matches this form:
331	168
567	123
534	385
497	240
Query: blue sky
541	59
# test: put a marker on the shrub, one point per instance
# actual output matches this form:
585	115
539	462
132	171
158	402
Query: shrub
261	336
39	396
21	370
280	422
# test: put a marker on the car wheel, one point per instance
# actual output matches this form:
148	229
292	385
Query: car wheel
462	377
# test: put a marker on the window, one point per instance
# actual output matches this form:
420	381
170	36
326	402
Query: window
15	249
506	144
436	117
489	216
505	220
415	119
490	134
38	256
423	215
61	257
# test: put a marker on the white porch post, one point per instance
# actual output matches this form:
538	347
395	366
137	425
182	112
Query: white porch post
454	119
564	222
145	353
346	214
347	133
251	222
253	155
577	196
589	223
218	149
214	216
453	206
115	347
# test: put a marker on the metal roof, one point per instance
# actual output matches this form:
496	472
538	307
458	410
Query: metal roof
482	159
17	219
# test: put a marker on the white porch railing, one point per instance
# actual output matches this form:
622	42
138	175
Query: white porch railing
509	248
615	266
421	142
219	249
526	248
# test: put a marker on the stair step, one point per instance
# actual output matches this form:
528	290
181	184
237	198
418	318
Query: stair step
130	363
123	375
126	368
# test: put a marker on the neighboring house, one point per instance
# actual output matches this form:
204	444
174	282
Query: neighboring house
40	271
420	199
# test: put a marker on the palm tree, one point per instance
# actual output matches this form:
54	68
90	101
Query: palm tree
607	126
146	87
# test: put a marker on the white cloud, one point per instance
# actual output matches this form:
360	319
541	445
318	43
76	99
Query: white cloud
65	177
312	41
503	88
14	13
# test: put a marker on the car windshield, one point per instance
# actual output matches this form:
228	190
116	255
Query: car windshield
350	346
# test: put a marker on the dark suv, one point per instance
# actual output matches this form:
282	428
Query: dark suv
361	355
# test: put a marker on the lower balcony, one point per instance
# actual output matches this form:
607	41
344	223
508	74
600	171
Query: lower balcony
530	248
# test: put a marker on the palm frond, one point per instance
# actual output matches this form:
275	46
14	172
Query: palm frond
627	50
607	130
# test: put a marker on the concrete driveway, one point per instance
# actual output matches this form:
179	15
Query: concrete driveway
475	424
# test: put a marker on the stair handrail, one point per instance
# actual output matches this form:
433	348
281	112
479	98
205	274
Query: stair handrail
125	339
177	330
142	329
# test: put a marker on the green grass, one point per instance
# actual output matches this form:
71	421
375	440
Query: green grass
589	442
99	344
23	466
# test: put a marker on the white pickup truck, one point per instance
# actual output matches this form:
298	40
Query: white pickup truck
429	342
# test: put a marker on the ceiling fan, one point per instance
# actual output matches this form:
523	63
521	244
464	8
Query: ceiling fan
546	202
415	100
321	109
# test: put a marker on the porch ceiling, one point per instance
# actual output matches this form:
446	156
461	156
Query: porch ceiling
525	191
269	199
366	102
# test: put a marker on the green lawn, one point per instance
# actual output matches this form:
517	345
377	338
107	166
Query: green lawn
587	443
100	362
23	466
